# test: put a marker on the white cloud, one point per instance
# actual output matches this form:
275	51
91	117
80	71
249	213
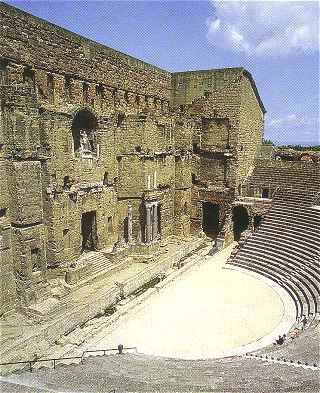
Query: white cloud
291	121
292	129
274	28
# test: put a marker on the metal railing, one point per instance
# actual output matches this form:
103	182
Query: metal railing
54	360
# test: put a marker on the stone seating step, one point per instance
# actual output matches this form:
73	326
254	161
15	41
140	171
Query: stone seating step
289	266
308	305
288	211
286	257
287	237
304	215
272	235
261	243
308	237
140	372
264	238
269	243
292	212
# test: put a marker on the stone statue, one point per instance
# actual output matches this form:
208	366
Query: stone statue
84	141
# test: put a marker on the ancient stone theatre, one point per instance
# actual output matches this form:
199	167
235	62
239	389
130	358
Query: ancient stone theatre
112	167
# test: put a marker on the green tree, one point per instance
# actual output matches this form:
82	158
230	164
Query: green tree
267	142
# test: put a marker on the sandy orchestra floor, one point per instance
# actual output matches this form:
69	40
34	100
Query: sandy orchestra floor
204	313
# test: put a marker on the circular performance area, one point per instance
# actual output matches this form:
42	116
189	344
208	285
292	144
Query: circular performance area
209	311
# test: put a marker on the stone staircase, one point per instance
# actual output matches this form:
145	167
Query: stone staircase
91	265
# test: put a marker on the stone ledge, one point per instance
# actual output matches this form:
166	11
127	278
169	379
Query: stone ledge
44	335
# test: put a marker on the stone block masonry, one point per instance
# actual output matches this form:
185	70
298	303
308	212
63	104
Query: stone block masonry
102	151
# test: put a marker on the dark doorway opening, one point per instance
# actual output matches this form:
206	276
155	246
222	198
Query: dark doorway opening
265	193
126	229
159	218
106	179
35	259
89	231
256	221
240	221
210	219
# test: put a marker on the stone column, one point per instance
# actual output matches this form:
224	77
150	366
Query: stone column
148	223
155	180
155	221
129	223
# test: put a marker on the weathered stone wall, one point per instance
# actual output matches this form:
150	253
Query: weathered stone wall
223	100
182	208
27	207
97	149
250	130
183	133
213	171
7	276
221	104
228	116
167	213
215	134
186	86
64	222
49	48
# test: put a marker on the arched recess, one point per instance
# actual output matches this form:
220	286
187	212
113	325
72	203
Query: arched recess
240	218
210	219
84	129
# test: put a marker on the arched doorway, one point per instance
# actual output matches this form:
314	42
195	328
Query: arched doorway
210	219
84	127
240	220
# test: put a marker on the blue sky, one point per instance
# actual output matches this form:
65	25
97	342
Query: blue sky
277	41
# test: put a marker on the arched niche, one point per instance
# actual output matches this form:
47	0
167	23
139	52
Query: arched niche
84	129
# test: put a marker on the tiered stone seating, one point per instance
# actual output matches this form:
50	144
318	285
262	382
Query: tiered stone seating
286	248
136	372
295	175
303	349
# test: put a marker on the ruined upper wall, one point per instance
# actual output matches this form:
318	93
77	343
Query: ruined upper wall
251	128
186	86
189	85
32	41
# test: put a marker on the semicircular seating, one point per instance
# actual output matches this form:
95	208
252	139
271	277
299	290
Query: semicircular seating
286	249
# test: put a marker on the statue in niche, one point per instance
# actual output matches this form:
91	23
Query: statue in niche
85	145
